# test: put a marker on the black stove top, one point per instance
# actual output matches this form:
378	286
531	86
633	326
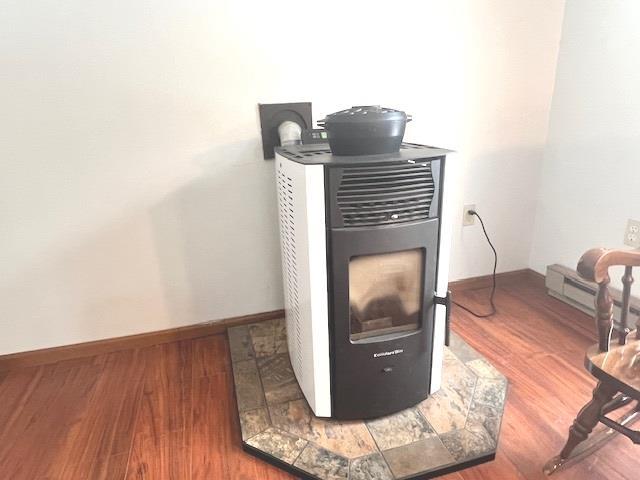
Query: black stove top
319	154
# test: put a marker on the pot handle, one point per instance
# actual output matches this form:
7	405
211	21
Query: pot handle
409	118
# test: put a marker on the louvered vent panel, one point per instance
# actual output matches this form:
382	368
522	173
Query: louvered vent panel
381	195
289	258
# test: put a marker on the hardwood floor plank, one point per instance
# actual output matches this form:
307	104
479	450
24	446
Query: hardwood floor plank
500	468
26	440
15	390
211	356
160	457
52	407
163	429
98	446
166	403
212	435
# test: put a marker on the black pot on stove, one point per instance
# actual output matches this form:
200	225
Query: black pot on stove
365	130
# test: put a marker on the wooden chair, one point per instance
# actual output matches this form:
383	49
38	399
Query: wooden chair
614	362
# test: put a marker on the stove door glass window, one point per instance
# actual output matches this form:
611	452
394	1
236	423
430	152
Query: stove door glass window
385	293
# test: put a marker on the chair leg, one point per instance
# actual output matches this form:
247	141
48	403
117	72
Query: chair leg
584	423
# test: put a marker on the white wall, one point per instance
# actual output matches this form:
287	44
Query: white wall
134	195
510	56
591	173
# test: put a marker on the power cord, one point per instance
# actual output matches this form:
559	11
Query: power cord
493	276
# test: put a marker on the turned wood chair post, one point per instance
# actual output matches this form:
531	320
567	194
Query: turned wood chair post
587	418
627	280
604	314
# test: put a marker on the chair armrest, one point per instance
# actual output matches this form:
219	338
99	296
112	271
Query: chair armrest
594	264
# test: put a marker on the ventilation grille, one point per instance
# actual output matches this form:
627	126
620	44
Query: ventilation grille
289	260
300	153
381	195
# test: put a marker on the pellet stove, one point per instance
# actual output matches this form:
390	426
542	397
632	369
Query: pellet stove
365	254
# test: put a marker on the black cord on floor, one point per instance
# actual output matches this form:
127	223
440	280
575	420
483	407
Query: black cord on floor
493	276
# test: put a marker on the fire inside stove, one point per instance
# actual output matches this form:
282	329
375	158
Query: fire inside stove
385	292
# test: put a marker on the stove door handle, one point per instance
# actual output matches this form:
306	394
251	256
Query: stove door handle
446	301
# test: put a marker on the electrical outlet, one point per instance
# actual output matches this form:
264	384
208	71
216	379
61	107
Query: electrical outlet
470	219
632	234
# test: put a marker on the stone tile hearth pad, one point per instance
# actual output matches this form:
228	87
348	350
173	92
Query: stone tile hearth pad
456	427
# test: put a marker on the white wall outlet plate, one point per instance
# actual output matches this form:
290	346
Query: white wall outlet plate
632	234
466	218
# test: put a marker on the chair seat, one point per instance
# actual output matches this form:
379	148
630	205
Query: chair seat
621	365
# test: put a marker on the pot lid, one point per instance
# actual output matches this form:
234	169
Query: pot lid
366	113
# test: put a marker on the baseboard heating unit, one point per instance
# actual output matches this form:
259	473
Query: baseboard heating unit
566	285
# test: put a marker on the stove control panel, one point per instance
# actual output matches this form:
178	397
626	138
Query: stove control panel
314	135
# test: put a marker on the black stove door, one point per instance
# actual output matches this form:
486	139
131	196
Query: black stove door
383	282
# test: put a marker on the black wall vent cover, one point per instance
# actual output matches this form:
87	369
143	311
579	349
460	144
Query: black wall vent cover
273	114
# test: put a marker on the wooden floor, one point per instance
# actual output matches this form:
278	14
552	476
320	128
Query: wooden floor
168	411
